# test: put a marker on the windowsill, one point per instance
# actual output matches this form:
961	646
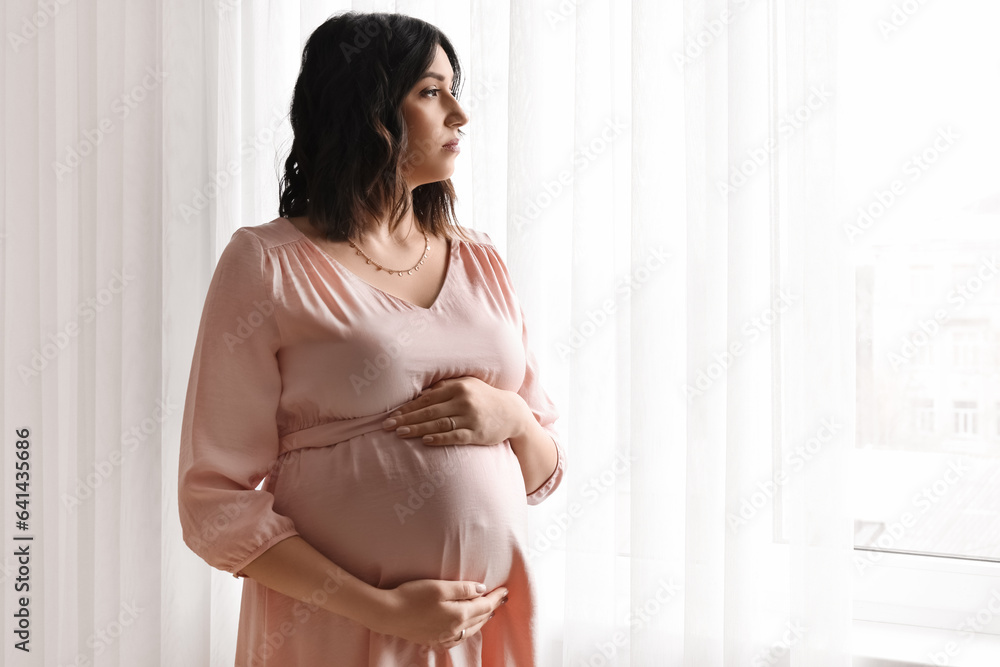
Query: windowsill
913	610
884	644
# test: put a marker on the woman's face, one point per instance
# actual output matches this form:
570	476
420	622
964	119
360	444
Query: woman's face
432	117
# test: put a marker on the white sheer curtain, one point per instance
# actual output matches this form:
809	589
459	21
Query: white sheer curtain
700	346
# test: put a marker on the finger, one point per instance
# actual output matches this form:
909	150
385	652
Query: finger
463	590
439	391
476	624
452	640
443	382
483	608
459	638
497	596
416	413
424	398
443	434
396	417
402	417
433	419
483	605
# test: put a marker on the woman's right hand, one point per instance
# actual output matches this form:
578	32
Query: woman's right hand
433	612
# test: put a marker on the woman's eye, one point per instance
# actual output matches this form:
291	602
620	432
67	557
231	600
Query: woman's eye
432	90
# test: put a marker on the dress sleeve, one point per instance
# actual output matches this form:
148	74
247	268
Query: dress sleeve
533	392
545	413
229	432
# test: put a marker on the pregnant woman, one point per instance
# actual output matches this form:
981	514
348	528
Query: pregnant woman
364	425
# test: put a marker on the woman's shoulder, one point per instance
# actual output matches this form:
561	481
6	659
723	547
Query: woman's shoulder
270	234
476	236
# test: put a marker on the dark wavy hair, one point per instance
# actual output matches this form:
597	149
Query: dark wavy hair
345	169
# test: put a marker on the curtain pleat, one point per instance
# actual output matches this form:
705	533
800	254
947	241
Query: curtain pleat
652	327
145	408
820	364
191	246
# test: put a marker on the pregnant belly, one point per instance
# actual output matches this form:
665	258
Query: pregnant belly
390	510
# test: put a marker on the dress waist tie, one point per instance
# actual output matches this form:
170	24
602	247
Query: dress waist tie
331	433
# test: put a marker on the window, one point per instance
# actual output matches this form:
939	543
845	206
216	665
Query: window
921	139
917	135
965	418
965	348
924	413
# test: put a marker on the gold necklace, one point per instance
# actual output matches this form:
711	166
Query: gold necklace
427	248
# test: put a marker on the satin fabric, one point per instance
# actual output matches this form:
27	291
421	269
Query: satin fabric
297	362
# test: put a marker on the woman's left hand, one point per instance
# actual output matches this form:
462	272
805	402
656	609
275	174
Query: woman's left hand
482	414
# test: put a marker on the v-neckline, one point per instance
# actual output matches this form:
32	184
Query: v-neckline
337	264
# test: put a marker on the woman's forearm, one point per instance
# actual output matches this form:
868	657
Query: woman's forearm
295	568
534	448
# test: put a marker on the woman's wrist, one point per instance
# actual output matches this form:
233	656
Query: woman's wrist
523	417
371	607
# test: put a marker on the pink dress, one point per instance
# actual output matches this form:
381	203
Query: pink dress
297	362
